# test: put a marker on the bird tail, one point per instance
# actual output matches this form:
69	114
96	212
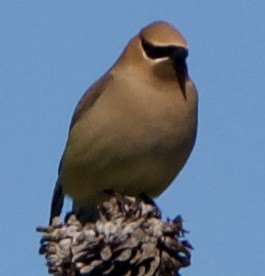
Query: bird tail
57	201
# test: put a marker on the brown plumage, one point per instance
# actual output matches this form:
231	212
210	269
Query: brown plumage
134	129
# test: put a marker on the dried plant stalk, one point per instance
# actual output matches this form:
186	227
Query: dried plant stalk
129	238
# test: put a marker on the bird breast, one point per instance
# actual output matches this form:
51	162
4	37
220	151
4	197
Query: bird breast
134	133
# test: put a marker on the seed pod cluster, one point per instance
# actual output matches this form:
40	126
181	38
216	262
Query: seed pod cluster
129	238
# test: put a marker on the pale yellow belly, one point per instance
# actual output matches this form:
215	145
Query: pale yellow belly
145	169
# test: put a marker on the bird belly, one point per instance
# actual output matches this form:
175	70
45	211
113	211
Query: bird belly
113	147
127	164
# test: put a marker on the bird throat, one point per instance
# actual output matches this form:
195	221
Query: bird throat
181	74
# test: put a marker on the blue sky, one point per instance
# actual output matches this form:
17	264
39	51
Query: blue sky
51	51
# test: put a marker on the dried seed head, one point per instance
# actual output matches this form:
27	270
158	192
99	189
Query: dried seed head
129	238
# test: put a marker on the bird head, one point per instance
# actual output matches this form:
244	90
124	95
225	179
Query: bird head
160	49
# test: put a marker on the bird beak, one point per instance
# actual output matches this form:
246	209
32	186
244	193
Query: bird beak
178	57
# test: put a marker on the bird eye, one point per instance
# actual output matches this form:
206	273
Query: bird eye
154	52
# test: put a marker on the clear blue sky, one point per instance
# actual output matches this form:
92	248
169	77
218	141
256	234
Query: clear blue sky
51	51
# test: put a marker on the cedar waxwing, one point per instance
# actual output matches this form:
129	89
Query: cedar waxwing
134	129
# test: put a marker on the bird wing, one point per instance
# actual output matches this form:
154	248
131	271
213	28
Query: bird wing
90	97
87	101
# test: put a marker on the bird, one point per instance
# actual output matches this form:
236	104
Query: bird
134	128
